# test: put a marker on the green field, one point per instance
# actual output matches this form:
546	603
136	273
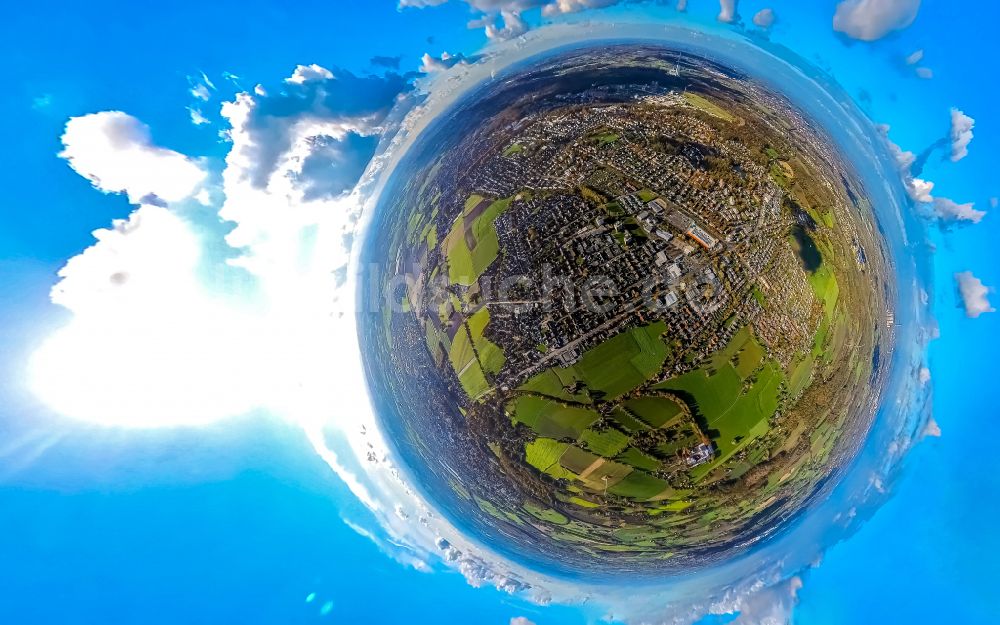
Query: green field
704	104
545	514
553	384
639	486
608	443
490	355
627	421
578	460
635	458
654	411
614	367
466	264
542	453
824	285
467	342
749	358
550	418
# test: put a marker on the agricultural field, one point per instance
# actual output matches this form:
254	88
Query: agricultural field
471	354
471	245
613	368
587	432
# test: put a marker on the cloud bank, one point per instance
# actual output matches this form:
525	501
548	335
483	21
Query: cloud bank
163	303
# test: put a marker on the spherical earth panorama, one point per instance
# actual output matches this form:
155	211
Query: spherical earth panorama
629	311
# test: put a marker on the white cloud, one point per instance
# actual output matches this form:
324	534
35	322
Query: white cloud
521	620
932	429
919	189
949	211
494	6
197	118
419	4
915	57
924	376
975	295
430	64
560	7
493	13
309	73
201	92
201	87
924	72
869	20
727	11
764	18
771	606
961	134
270	133
513	26
115	152
682	5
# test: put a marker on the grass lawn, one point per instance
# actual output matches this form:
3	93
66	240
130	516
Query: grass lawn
461	354
714	394
800	375
549	383
607	475
473	381
463	358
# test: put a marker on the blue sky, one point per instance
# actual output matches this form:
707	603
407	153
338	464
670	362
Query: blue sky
240	521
